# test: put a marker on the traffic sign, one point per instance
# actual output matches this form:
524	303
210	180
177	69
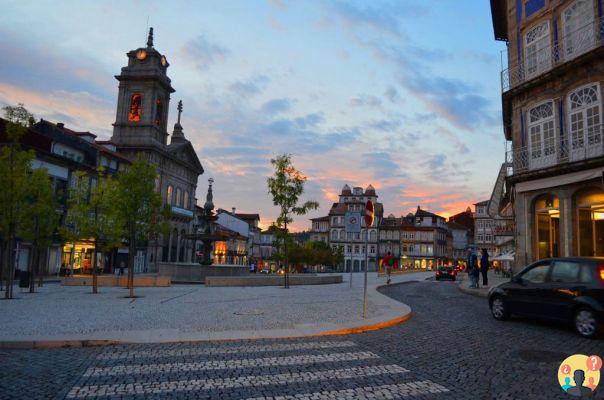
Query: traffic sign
369	213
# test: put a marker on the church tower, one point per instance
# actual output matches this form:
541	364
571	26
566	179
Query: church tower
143	99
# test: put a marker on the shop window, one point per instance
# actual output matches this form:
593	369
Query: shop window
590	223
547	211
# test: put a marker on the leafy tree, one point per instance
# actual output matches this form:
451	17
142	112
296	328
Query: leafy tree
40	218
93	213
15	166
139	208
286	186
338	256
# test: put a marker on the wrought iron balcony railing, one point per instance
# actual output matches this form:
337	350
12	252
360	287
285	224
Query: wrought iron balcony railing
583	145
547	57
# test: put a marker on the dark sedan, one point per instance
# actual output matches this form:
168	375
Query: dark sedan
445	273
565	289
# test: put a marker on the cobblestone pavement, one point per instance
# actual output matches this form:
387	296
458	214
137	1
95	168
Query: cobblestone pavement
450	349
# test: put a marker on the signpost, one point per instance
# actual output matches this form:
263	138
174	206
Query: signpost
352	224
369	218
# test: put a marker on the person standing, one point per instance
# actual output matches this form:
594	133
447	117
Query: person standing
484	267
473	268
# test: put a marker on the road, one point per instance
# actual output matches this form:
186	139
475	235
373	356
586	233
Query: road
450	349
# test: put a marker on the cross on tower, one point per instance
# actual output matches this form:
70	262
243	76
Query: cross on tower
179	108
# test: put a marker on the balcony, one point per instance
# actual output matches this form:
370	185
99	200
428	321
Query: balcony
588	145
547	57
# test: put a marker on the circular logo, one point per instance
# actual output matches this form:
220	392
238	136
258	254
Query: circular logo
353	220
579	375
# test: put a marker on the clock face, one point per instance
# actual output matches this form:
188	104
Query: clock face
164	62
141	54
352	220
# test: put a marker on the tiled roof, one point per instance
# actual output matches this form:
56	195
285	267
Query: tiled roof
319	219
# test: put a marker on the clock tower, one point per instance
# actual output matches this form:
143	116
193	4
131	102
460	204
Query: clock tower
143	99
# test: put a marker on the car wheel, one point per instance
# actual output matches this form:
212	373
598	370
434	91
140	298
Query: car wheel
586	322
499	309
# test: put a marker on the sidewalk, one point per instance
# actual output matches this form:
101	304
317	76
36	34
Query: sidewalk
463	284
72	316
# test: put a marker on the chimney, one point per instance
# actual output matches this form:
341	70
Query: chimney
233	210
60	125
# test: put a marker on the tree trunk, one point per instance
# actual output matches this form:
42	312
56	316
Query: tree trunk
94	261
285	276
131	251
32	266
8	293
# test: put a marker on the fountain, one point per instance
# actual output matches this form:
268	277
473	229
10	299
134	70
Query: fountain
204	228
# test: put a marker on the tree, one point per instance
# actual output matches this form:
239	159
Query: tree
40	218
139	208
93	214
286	186
338	256
15	166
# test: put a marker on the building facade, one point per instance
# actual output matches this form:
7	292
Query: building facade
353	244
484	228
423	240
552	115
319	231
140	130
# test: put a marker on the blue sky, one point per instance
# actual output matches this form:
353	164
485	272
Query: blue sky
404	95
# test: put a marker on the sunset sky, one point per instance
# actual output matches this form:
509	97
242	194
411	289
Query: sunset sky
404	95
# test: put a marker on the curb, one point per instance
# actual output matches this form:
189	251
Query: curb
225	336
473	292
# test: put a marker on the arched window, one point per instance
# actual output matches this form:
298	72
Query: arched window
186	200
136	108
537	50
584	120
334	235
542	135
372	236
577	22
178	198
169	195
159	110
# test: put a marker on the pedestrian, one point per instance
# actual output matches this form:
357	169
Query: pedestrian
387	262
68	270
473	268
121	270
484	267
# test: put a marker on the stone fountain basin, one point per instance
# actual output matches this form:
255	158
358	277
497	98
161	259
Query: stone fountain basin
196	273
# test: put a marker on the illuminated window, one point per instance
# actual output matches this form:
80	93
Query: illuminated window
136	108
186	200
158	112
169	195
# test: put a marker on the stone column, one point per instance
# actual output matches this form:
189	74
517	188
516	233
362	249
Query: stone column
178	240
169	259
566	222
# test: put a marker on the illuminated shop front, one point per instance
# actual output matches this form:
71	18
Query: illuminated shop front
78	256
590	223
547	211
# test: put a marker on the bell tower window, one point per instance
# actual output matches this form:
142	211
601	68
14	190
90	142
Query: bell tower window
136	108
158	112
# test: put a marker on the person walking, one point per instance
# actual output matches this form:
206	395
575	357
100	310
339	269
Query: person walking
484	267
473	268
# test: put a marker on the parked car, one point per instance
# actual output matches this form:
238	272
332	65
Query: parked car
445	273
565	289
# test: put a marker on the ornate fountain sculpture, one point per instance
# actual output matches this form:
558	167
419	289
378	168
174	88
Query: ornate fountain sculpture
204	228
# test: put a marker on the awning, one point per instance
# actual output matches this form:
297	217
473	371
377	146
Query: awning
559	180
505	257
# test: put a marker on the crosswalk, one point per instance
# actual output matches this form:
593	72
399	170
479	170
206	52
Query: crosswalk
299	369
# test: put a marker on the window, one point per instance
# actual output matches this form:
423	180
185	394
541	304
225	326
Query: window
136	107
584	120
356	249
372	249
349	249
178	198
159	110
536	274
588	273
537	50
542	138
169	195
577	22
334	235
565	272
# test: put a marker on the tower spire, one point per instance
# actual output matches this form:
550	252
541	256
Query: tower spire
150	38
179	108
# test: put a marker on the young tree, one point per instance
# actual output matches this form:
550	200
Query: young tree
286	186
15	166
338	257
40	218
93	213
139	208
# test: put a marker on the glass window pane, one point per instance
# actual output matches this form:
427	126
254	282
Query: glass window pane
588	273
565	272
536	274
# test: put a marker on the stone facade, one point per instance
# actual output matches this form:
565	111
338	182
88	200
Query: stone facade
552	114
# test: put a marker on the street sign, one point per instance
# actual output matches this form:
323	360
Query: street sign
369	213
352	222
